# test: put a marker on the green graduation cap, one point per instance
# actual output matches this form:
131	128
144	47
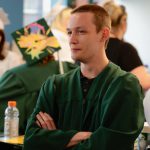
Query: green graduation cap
36	41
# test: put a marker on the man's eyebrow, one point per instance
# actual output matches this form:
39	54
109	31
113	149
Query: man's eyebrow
68	29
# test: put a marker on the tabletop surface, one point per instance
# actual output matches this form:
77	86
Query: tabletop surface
13	140
19	140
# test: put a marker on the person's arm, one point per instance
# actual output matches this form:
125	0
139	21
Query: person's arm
122	119
10	86
143	75
36	137
79	137
130	61
45	121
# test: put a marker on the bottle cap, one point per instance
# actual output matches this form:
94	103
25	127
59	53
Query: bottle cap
12	103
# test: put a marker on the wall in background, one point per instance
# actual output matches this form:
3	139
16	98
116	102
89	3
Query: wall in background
138	23
139	27
63	2
14	9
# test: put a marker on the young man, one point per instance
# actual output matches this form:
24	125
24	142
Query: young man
97	106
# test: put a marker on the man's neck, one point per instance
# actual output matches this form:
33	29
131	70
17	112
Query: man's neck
91	70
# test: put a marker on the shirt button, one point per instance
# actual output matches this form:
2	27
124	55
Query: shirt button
85	90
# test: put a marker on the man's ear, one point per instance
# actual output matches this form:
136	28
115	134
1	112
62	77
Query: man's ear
105	34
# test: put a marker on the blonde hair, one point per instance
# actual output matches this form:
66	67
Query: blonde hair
61	19
115	11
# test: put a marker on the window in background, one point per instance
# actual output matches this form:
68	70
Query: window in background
35	10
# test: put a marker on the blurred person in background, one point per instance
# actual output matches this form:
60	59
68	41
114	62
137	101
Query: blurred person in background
76	3
23	82
59	24
121	52
8	58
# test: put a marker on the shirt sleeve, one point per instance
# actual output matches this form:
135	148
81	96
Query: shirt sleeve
55	139
10	86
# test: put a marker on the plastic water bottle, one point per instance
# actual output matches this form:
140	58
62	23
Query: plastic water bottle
11	122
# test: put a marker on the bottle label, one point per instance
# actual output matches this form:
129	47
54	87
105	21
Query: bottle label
7	127
11	127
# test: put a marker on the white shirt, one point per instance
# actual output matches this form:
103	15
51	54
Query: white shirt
11	60
65	52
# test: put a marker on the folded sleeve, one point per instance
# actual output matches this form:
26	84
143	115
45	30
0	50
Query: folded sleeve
122	117
37	138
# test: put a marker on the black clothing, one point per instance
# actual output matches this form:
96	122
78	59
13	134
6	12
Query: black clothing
123	54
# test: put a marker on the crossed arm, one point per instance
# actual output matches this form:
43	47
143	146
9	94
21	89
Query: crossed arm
45	121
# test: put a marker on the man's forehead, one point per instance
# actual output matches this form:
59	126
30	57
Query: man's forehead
81	14
80	20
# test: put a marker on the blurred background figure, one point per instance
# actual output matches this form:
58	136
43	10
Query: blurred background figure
23	82
58	26
8	58
121	52
76	3
59	17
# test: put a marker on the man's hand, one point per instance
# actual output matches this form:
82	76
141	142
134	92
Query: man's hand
77	138
45	121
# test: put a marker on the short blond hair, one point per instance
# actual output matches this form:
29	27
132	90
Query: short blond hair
115	11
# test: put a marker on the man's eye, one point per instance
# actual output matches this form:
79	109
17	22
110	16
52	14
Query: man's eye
81	31
69	32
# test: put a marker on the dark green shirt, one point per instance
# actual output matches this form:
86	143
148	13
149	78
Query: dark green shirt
113	112
23	84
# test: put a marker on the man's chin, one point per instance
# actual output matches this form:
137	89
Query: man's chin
76	59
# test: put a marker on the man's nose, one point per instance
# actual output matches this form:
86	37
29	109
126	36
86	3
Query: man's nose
73	38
